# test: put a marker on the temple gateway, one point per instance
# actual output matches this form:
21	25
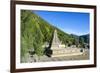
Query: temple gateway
58	49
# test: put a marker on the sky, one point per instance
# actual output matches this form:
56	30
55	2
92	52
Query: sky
70	22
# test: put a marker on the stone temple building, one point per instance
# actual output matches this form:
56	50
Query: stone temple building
58	49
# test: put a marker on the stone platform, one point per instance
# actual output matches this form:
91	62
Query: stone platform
66	52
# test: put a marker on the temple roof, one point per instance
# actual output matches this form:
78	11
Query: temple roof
55	42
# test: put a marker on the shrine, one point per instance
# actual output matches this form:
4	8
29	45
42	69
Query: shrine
59	49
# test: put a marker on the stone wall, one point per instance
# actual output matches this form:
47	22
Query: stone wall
66	52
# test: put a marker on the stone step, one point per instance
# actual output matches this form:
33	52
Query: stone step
68	54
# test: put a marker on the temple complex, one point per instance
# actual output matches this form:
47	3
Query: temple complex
58	49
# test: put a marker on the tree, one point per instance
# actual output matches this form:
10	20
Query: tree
81	41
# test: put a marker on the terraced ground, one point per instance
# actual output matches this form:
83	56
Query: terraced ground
84	56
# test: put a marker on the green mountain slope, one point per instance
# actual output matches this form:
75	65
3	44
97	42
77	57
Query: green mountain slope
82	40
85	37
35	32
